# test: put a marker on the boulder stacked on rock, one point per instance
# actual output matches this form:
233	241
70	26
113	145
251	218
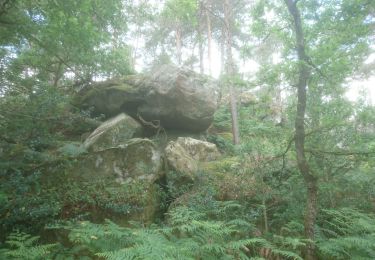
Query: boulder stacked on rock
177	98
118	152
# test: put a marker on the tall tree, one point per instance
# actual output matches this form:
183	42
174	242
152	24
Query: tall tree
209	36
200	25
350	46
310	179
230	68
177	22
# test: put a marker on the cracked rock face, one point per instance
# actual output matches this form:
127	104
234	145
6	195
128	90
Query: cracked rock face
178	98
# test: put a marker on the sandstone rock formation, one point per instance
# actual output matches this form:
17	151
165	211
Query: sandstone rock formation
177	98
111	97
113	132
199	150
129	173
173	98
136	159
184	154
183	157
179	160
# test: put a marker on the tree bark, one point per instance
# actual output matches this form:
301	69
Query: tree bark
230	70
201	55
200	40
178	45
209	37
58	74
222	52
265	215
309	178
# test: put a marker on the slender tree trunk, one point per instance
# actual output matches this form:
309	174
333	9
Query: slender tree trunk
201	55
135	48
265	216
222	53
58	74
230	70
200	39
309	178
279	104
178	45
209	37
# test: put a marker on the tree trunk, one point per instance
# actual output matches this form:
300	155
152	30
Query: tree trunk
200	40
178	45
222	52
230	70
309	178
58	74
209	37
201	56
265	216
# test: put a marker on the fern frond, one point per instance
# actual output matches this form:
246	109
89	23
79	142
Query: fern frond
23	246
286	254
252	242
347	234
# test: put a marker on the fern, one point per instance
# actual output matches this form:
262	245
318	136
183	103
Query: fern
189	235
23	246
286	254
347	234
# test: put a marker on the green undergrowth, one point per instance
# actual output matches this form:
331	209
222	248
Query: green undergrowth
218	232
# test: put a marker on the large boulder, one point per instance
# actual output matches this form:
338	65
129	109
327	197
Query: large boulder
111	97
128	175
179	160
199	150
183	157
135	159
184	154
181	171
177	98
113	133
